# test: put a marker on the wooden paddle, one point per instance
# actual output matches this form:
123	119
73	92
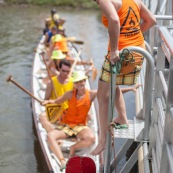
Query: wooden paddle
80	164
75	61
73	40
51	109
9	79
76	41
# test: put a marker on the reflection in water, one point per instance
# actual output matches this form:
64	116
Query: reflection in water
19	34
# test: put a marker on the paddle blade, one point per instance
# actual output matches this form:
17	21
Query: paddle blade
79	164
77	42
53	112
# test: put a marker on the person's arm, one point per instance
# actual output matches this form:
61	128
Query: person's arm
110	12
148	19
52	68
59	100
46	39
48	92
134	88
93	94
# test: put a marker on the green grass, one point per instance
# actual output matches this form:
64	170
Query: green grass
69	3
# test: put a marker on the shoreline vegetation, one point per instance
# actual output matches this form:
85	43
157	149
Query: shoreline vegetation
83	4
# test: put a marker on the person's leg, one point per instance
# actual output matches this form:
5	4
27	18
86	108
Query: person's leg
103	98
133	88
45	123
121	108
86	139
52	138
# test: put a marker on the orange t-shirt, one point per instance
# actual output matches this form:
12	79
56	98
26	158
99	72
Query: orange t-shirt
77	111
60	42
130	33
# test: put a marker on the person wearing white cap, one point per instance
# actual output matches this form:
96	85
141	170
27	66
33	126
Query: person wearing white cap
73	121
57	55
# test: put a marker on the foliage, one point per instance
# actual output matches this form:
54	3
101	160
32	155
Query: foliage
69	3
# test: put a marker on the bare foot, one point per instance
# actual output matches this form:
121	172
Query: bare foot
99	148
120	120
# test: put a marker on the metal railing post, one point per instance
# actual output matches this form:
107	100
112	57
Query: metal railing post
112	95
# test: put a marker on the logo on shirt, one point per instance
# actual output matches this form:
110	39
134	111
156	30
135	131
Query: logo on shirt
130	22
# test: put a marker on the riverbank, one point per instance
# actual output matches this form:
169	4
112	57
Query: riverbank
84	4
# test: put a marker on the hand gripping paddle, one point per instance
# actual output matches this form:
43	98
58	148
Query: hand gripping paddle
80	164
53	111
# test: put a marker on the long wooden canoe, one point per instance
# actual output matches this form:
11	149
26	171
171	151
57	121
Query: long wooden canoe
38	89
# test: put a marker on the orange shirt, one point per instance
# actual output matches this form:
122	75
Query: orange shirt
60	42
77	111
130	33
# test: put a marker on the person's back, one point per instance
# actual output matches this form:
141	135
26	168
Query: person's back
49	35
60	42
54	16
129	16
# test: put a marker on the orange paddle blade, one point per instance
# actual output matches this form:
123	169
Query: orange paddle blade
54	112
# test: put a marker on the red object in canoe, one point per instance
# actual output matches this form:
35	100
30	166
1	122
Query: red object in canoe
80	164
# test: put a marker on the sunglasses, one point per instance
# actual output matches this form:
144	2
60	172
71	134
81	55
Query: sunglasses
65	71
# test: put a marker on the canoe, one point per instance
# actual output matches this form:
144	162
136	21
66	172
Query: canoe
38	89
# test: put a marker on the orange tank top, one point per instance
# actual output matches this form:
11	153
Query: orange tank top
60	42
77	111
130	33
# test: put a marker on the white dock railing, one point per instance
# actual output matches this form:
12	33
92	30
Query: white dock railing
161	133
154	152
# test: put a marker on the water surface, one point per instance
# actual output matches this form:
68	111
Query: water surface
20	31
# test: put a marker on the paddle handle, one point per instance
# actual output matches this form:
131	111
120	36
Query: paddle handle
73	40
9	79
47	68
75	61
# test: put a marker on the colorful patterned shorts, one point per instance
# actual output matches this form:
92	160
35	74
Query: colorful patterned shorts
70	131
129	72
